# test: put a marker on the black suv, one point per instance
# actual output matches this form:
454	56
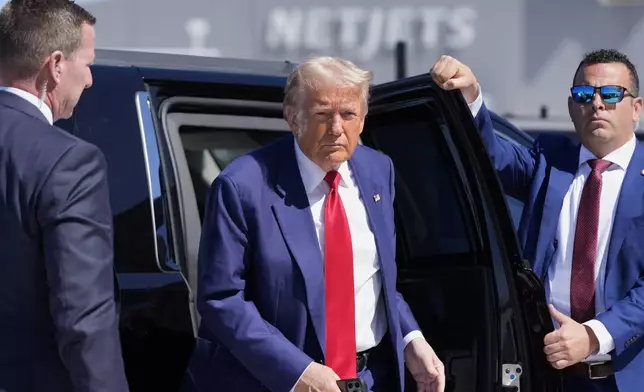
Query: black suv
168	124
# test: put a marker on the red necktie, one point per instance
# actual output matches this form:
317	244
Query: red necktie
338	285
582	280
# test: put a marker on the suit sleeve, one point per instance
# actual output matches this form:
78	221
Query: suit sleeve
409	326
624	321
514	163
224	259
76	219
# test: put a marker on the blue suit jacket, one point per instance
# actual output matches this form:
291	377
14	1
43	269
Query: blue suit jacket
540	177
58	325
261	277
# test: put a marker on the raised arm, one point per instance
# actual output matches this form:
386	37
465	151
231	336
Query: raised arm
514	163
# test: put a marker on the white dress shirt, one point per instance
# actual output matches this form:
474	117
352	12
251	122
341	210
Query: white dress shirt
560	270
46	111
371	320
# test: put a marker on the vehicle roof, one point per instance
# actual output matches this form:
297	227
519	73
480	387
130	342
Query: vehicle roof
191	68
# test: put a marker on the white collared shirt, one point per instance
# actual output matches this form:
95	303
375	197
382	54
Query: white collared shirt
46	111
371	320
560	270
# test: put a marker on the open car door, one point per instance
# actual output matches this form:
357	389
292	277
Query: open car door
460	267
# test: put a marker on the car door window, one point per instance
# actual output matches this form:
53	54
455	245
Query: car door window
209	150
428	202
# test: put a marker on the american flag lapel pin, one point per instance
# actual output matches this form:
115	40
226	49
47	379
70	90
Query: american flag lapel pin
376	197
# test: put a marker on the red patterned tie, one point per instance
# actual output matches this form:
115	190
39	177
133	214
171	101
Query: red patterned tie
582	280
338	285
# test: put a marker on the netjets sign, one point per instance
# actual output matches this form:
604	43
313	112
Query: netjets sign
368	31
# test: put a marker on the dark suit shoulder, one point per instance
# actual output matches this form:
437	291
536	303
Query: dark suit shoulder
34	149
35	141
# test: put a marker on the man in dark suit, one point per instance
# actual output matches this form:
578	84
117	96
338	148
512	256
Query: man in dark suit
583	223
297	273
58	325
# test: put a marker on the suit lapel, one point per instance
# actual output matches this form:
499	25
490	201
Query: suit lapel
296	224
371	194
561	174
630	204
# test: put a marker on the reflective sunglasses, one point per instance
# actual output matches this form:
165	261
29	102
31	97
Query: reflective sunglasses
608	94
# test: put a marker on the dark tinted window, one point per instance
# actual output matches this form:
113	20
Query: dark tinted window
431	217
106	116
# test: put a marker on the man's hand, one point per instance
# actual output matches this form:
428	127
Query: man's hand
423	364
571	343
318	378
451	74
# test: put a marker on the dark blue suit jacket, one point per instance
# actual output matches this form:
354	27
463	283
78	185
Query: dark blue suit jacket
261	277
540	177
58	326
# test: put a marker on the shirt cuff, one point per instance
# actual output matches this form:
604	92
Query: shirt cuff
411	336
298	380
606	342
476	105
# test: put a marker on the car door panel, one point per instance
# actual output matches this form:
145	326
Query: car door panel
458	233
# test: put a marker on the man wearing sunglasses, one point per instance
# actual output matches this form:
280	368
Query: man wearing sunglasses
583	224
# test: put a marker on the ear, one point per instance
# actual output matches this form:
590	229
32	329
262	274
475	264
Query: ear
56	66
571	105
637	108
290	115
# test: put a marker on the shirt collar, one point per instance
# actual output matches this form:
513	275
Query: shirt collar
620	157
312	175
46	111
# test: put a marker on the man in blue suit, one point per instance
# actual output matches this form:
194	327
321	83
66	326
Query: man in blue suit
58	325
583	223
297	273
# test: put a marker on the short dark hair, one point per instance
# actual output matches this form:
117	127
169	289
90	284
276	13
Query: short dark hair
605	56
30	30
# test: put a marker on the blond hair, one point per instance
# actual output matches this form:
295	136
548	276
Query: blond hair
324	71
